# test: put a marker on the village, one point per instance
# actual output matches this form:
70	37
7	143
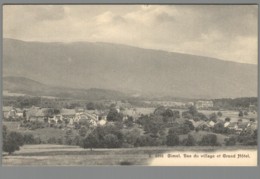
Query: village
236	121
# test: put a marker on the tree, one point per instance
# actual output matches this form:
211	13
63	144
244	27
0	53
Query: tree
52	140
24	114
114	115
77	141
187	115
252	119
90	106
4	132
172	138
129	122
48	112
189	124
209	140
227	119
219	114
201	116
248	137
168	113
68	137
230	141
160	111
190	141
13	141
111	141
240	114
83	131
219	128
193	110
131	136
91	141
28	139
213	117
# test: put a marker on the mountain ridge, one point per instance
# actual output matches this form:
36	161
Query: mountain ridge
127	69
25	86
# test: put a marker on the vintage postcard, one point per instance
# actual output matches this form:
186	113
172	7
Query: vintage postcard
151	85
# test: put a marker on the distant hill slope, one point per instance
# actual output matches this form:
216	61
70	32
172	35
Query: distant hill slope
30	87
128	69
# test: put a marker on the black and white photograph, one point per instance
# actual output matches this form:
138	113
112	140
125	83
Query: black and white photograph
129	84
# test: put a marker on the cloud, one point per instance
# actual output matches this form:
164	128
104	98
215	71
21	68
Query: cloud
227	32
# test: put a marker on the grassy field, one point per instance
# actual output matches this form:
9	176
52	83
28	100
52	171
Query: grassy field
44	133
227	113
61	155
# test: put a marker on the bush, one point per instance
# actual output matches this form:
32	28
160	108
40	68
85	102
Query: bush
172	138
29	139
248	137
52	140
219	128
231	141
227	119
60	141
245	113
186	115
190	141
147	140
200	116
209	140
126	163
141	141
240	114
36	125
114	115
83	131
219	114
91	141
213	117
77	141
111	141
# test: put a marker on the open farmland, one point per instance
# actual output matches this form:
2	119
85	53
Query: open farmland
61	155
44	134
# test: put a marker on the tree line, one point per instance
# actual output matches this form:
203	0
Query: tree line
160	128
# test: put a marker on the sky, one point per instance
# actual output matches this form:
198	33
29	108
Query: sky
227	32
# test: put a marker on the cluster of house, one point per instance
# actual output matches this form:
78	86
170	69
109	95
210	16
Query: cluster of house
198	104
69	116
11	112
204	104
238	126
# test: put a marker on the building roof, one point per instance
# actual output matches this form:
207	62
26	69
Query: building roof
211	123
67	112
7	108
37	112
226	124
197	123
232	124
